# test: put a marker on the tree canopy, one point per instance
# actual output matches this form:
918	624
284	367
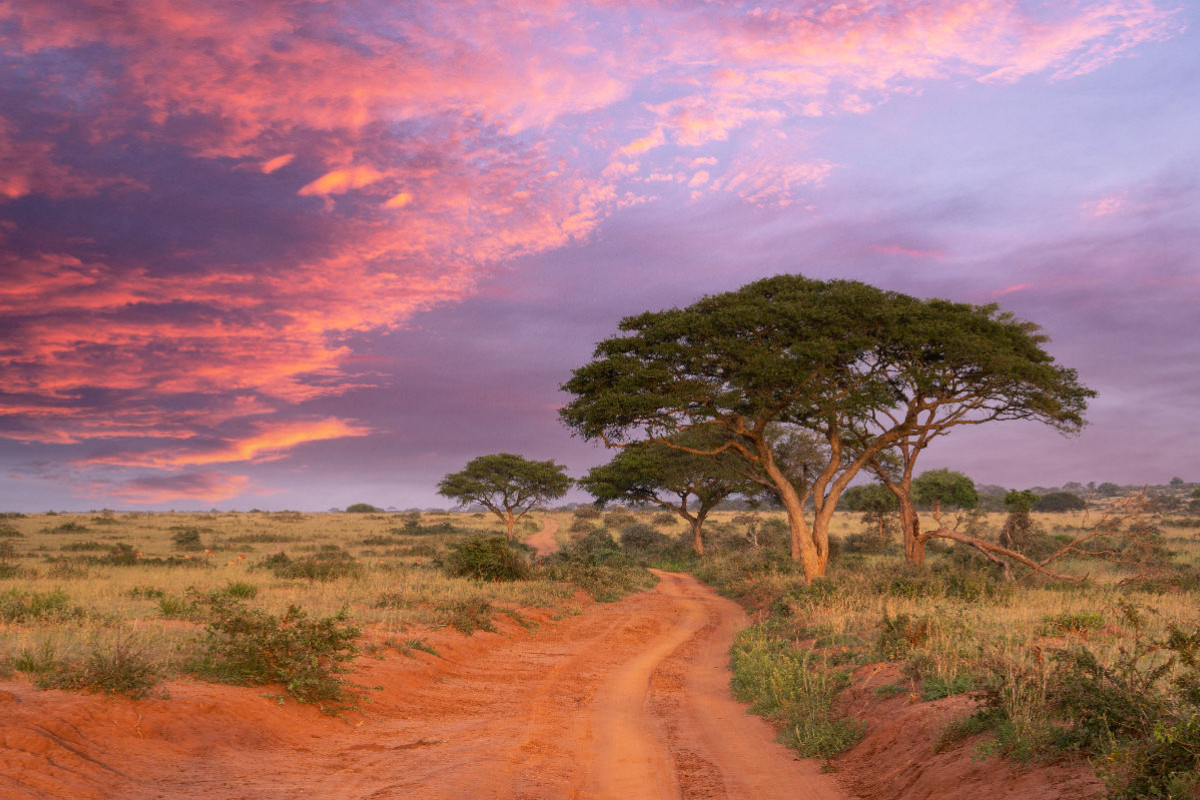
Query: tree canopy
671	478
510	486
866	370
943	488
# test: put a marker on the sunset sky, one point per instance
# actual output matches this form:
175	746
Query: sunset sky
300	254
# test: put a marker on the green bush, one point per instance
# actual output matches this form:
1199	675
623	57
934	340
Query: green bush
486	557
587	512
122	668
362	508
327	564
640	538
187	539
68	527
794	688
308	657
52	606
467	616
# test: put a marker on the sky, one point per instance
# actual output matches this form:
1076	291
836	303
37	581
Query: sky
300	254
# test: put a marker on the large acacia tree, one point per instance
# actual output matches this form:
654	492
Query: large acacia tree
689	484
839	358
508	485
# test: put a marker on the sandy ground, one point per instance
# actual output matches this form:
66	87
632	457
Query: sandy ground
628	700
543	542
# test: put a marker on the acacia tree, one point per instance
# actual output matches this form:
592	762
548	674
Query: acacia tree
785	350
943	488
951	365
670	478
876	503
866	370
508	485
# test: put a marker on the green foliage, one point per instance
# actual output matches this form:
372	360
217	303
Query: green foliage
307	657
68	527
508	485
689	482
327	564
25	607
870	498
188	539
596	564
122	668
1060	501
362	508
1020	501
1137	714
486	557
468	616
794	688
640	539
945	488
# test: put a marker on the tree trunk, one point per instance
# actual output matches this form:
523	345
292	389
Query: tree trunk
510	523
910	523
697	538
804	548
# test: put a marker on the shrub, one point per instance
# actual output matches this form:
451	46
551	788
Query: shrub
794	688
52	606
362	508
618	518
188	539
665	519
587	512
468	616
327	564
124	668
68	527
1060	501
308	657
410	519
486	557
79	547
641	538
8	531
582	525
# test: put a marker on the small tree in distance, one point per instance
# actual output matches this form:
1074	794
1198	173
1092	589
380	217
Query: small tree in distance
943	488
670	478
508	485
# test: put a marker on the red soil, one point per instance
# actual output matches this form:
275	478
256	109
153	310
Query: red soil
627	700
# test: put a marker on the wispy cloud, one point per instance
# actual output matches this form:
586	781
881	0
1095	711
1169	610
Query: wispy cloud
204	206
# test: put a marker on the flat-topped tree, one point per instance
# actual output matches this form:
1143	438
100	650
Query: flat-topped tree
951	365
691	485
865	369
784	350
508	485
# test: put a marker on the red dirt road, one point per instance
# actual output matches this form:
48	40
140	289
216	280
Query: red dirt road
628	700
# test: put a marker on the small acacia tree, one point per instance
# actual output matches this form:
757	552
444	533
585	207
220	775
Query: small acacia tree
940	489
508	485
876	503
670	478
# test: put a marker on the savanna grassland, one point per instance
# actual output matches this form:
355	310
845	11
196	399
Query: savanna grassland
1097	667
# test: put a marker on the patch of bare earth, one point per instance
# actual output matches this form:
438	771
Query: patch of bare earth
627	700
896	759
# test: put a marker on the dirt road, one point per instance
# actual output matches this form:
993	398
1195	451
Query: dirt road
627	700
